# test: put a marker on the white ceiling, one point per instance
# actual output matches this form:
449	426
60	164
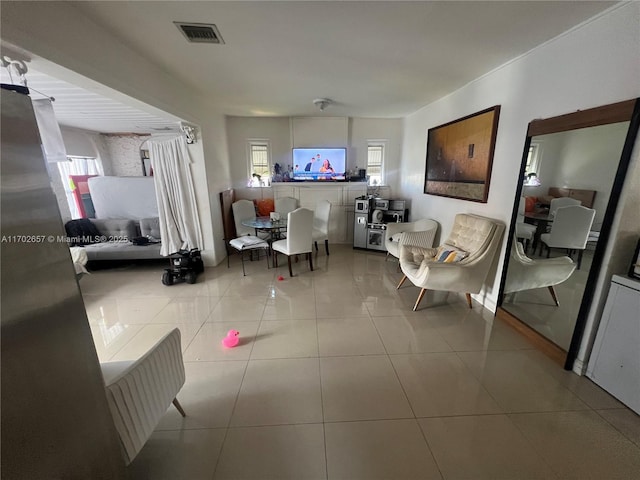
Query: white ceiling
374	59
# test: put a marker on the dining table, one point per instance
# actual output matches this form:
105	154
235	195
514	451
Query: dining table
275	228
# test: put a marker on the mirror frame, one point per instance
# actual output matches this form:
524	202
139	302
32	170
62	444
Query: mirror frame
627	111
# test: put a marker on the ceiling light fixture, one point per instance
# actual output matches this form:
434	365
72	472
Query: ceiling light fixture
322	103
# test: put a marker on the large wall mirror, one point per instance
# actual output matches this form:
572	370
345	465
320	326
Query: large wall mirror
573	169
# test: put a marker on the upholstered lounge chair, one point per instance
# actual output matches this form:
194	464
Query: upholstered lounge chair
425	229
478	237
140	391
523	273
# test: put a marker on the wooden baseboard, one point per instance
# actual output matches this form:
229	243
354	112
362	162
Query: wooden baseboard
543	344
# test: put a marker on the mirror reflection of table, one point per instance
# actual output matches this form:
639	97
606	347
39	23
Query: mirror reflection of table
541	220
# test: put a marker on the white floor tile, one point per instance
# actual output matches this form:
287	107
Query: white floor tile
383	449
289	452
276	392
361	388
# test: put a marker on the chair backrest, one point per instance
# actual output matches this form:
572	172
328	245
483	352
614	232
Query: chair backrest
243	210
321	217
299	231
474	234
560	202
570	227
284	205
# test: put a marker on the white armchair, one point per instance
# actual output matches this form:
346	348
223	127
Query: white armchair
523	273
140	391
478	237
394	234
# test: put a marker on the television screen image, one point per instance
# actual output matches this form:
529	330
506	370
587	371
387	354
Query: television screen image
318	164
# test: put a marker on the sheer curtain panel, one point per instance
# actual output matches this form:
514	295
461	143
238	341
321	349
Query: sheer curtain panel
177	208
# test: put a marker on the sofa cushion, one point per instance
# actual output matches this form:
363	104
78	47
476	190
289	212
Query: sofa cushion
150	227
116	229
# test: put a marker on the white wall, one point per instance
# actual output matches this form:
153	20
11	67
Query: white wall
279	132
592	65
241	129
64	41
123	154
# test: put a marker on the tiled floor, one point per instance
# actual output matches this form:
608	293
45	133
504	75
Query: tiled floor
335	377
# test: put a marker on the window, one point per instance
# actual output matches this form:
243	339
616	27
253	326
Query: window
375	162
531	168
259	164
77	166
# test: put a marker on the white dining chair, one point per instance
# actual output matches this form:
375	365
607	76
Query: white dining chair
569	231
560	202
245	210
321	224
299	237
284	205
524	231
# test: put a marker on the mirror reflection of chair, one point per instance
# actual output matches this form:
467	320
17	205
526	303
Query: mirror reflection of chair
570	230
424	234
524	231
461	264
560	202
299	237
321	224
527	274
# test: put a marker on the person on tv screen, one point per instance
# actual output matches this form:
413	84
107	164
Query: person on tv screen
326	167
309	165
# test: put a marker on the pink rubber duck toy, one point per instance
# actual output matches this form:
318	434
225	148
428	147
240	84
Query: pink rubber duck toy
232	339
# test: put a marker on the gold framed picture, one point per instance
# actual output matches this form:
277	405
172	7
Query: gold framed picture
460	156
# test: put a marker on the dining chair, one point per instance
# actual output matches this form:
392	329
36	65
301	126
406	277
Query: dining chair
570	230
284	205
321	224
245	210
524	231
299	237
560	202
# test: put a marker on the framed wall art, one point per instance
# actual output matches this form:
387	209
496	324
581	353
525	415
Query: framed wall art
460	156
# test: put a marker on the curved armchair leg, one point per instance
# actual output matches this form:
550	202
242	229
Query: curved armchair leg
553	294
326	246
316	243
404	277
469	300
422	292
178	407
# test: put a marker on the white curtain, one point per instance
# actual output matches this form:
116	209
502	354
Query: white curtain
177	208
77	166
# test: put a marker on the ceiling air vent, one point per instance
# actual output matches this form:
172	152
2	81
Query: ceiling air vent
200	32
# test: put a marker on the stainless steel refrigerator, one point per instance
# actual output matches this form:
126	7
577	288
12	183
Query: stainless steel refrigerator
55	418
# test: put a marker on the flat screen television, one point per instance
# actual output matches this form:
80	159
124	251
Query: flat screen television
319	164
